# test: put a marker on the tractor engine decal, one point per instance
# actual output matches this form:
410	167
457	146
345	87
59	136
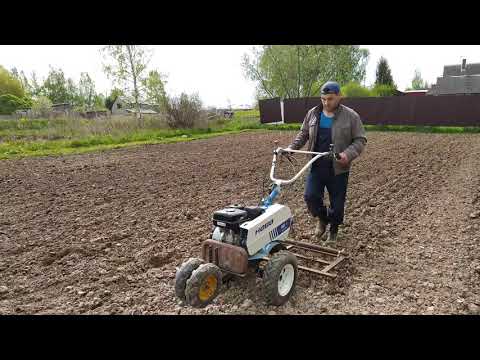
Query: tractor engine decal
263	227
280	228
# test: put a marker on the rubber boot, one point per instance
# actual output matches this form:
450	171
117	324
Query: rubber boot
332	235
320	228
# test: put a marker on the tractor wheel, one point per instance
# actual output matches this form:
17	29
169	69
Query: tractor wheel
183	273
204	285
279	277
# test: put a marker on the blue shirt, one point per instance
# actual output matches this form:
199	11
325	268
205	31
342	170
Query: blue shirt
325	121
324	139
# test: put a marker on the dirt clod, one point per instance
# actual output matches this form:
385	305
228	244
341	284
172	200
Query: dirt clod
3	290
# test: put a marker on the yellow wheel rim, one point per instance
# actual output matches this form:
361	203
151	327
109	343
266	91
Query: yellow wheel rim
208	288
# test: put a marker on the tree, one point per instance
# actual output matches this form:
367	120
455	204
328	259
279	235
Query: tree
27	88
9	84
60	89
99	101
383	73
55	86
383	90
31	88
73	94
127	67
14	73
25	84
111	98
35	87
289	71
20	76
86	91
15	91
154	86
354	89
417	82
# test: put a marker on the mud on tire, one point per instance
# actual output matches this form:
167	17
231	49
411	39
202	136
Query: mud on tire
183	274
279	264
204	285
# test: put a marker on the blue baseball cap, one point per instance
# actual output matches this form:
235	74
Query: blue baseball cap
330	87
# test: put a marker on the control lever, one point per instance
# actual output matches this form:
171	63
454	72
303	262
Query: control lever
335	155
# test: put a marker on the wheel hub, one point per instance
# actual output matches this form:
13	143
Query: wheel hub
208	288
285	280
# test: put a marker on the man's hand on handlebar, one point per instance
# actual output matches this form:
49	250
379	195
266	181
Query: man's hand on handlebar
284	153
343	159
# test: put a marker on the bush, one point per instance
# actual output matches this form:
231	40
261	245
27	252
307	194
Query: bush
383	90
183	111
41	107
24	123
9	84
354	89
9	103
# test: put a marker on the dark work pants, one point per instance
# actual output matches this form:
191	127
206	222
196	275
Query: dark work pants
319	179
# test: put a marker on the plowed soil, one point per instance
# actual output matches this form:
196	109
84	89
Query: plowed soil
103	233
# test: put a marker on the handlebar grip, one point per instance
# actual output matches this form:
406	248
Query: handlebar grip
337	156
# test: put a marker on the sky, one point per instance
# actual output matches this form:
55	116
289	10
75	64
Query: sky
215	72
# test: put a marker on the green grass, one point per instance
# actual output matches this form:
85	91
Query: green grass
62	147
33	124
59	137
246	113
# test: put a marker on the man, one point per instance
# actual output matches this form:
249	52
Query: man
330	123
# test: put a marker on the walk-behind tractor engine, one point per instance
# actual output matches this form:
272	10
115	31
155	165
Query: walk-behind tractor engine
251	227
249	237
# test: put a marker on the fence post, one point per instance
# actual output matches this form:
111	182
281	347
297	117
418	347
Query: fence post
281	110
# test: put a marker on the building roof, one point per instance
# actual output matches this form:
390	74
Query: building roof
142	111
455	81
61	104
130	103
455	70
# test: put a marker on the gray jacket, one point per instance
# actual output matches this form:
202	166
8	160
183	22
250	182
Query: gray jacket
348	134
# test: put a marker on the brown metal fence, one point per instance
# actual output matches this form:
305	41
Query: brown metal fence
446	110
270	110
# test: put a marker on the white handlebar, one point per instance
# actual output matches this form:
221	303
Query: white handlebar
279	150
